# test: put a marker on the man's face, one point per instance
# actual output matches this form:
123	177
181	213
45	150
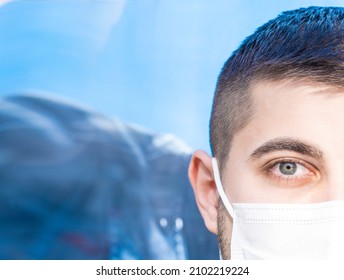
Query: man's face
292	151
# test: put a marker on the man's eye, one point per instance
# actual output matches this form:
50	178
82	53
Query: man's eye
290	169
290	172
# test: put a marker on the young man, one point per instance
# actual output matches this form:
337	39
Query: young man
277	138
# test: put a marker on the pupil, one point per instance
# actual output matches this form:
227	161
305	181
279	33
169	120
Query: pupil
287	168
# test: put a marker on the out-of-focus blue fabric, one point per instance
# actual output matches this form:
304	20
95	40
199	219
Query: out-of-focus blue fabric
75	184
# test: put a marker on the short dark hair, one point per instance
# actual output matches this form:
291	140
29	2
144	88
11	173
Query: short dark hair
307	43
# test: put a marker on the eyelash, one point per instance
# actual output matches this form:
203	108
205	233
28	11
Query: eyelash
268	170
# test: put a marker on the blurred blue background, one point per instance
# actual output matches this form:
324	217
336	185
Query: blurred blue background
150	62
80	179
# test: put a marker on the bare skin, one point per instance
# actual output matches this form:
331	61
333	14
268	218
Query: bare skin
292	151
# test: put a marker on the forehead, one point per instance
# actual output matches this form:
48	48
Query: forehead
310	112
292	91
288	100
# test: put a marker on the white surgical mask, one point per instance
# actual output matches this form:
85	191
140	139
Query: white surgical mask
284	231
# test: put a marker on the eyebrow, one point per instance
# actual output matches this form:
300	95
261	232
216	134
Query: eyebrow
287	144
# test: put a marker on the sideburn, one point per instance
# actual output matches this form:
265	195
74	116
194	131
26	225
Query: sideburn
224	225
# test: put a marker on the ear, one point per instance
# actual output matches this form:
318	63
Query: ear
203	184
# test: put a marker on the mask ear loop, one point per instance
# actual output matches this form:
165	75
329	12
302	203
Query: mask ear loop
220	188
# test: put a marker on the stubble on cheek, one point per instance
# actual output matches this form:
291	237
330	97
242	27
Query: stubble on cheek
224	224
